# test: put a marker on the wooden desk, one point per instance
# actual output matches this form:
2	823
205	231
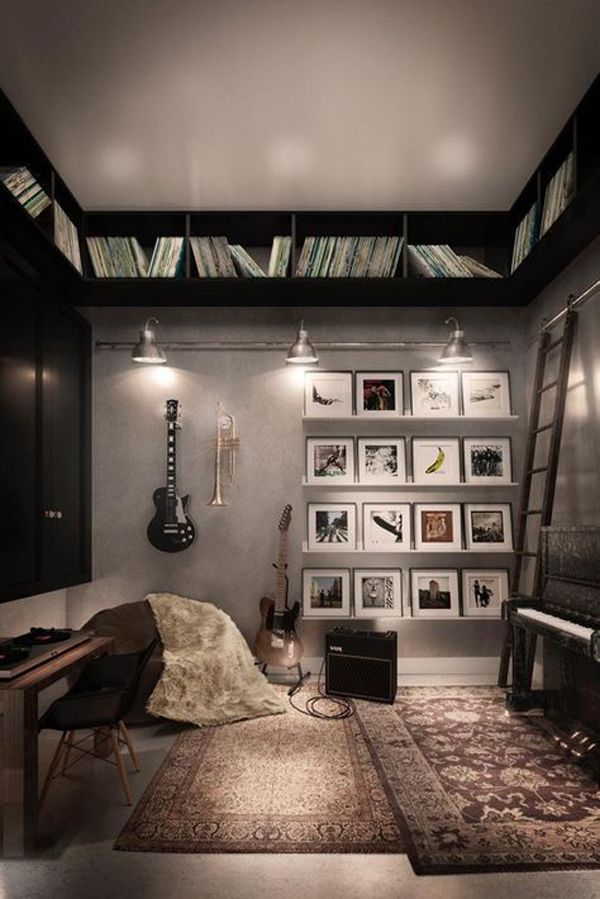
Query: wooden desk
19	742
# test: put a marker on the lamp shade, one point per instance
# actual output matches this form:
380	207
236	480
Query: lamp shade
146	351
302	352
457	349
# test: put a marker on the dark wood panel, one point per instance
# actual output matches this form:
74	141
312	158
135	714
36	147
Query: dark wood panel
62	463
298	292
19	499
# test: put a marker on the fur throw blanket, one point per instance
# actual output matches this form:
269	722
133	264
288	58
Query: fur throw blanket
209	675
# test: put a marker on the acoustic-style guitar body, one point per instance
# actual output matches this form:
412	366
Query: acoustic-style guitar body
277	642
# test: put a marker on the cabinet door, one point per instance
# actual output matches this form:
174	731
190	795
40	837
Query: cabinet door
19	432
65	448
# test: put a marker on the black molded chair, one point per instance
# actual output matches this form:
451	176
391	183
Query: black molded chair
99	701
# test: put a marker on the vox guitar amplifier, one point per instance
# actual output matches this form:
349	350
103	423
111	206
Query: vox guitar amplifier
361	664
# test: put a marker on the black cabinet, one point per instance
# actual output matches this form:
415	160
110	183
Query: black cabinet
44	446
65	447
19	432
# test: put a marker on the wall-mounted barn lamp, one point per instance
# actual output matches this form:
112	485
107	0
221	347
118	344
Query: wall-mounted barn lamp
146	350
457	349
302	352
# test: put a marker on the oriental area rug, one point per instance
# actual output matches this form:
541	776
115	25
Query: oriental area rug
443	774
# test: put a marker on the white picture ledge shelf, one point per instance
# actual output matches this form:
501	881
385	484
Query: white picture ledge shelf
403	552
395	419
404	485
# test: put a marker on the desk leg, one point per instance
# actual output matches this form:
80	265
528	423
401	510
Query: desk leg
20	771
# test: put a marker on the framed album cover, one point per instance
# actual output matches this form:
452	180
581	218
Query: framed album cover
434	593
436	460
434	394
379	394
488	527
386	527
326	592
332	526
487	460
381	460
330	460
437	527
327	394
377	593
483	590
486	394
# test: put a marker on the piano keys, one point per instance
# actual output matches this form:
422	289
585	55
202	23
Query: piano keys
567	614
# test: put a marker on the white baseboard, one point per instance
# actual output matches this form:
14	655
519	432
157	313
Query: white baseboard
441	671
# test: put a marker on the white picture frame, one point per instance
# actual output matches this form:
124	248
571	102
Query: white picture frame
487	460
436	460
434	394
327	394
483	590
488	527
377	593
387	527
486	394
381	460
326	592
331	527
434	593
379	394
437	527
330	460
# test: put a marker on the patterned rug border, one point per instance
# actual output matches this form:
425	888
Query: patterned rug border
434	869
126	842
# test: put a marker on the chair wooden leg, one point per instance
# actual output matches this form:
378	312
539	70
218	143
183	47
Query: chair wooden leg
52	769
114	735
67	753
130	746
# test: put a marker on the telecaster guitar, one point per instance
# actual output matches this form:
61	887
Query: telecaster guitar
277	642
171	530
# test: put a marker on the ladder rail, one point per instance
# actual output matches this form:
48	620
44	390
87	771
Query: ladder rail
525	513
529	459
556	435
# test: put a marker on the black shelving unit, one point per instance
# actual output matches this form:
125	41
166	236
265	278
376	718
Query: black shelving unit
486	236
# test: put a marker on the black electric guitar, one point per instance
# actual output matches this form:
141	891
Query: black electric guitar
277	642
171	530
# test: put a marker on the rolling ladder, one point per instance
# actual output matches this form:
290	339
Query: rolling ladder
538	470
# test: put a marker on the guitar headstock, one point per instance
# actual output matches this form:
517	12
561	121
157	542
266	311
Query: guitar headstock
172	410
285	519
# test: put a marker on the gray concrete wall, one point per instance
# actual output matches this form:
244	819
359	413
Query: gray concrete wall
44	610
231	562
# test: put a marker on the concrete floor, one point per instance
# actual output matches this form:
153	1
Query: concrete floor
85	812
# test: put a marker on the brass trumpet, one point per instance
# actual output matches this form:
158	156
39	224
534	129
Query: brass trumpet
226	448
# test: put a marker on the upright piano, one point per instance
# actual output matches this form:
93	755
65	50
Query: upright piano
567	614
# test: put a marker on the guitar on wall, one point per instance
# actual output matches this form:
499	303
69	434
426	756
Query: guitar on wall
171	530
277	642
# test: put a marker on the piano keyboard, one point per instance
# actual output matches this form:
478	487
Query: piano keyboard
560	624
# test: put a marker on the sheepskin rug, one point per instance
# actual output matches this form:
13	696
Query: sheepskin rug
209	675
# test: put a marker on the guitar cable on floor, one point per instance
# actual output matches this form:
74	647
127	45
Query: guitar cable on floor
345	710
